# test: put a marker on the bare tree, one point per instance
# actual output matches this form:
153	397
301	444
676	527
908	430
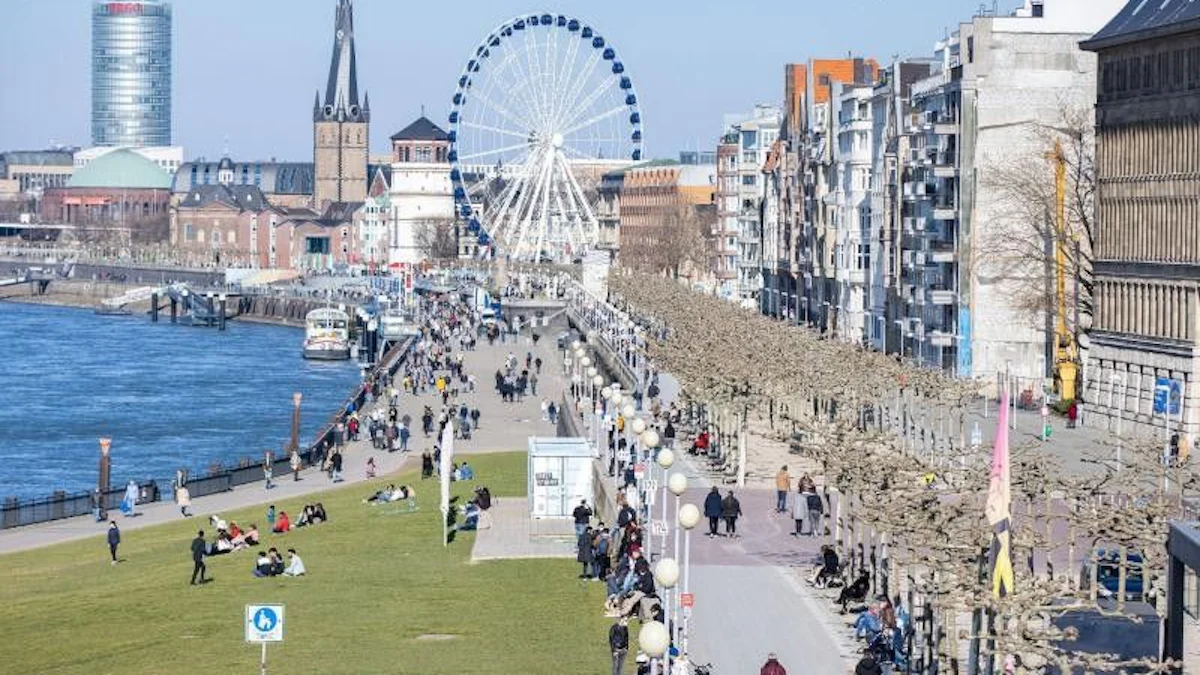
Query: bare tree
674	243
1022	239
437	238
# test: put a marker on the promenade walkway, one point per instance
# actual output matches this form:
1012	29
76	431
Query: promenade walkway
504	427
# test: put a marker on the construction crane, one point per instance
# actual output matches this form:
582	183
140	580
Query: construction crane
1066	352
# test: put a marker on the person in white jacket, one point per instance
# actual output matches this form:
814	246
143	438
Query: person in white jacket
295	566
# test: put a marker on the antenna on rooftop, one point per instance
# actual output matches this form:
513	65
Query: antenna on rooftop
422	110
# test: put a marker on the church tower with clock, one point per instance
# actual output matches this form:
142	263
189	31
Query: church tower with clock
341	124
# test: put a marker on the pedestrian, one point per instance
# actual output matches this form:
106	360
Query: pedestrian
712	510
114	539
370	467
198	557
335	466
618	643
1072	414
772	666
294	462
268	468
731	508
583	516
426	464
404	434
584	554
783	483
533	380
183	497
129	503
799	512
815	509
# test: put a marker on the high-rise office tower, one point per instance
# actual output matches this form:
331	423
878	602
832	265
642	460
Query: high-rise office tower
131	73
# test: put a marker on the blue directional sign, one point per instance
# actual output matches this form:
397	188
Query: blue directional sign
1167	396
264	623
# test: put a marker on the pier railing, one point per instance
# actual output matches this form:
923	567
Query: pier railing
16	512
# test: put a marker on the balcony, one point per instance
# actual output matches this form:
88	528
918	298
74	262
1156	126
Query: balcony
945	213
939	339
945	128
942	252
941	297
918	190
944	165
912	224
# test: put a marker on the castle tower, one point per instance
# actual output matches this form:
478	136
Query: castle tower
340	125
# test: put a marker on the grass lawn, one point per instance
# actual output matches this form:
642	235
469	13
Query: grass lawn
376	582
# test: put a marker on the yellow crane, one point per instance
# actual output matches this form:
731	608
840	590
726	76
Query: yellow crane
1066	366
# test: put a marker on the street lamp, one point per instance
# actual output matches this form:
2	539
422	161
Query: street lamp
689	518
666	573
639	426
296	398
654	640
677	484
103	481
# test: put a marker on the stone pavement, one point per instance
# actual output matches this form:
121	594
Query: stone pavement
513	534
504	427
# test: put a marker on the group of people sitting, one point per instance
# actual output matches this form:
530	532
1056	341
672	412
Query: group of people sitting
230	537
391	493
270	564
883	627
312	514
830	573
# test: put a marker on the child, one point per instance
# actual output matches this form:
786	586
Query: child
370	467
271	517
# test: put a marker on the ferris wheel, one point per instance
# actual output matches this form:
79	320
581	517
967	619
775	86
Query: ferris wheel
543	107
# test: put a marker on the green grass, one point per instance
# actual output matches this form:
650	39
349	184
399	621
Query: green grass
375	583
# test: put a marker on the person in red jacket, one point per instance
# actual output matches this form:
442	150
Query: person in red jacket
772	666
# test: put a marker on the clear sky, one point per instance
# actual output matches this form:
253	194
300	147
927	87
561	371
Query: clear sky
245	70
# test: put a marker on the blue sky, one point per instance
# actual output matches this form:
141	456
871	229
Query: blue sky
246	70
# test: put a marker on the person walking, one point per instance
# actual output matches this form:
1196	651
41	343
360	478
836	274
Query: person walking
783	483
268	469
183	498
335	463
772	666
584	554
799	512
583	516
618	643
294	462
198	557
404	434
731	508
129	503
712	510
114	539
815	509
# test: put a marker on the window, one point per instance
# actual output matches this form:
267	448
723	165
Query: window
749	139
316	245
1039	10
189	232
748	180
864	256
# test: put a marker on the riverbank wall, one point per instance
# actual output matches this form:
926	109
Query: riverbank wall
88	294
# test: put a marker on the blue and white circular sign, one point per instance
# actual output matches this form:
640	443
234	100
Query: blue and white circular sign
264	623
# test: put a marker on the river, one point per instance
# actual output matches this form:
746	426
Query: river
170	396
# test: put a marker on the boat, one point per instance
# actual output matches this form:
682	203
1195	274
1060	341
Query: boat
104	310
327	335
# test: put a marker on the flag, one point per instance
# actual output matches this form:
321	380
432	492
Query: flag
447	447
999	507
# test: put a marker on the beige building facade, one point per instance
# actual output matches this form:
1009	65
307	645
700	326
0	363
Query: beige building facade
1144	359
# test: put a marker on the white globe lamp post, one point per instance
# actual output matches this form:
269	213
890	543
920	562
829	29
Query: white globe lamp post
654	641
688	519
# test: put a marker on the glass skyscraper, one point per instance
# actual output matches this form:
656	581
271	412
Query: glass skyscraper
131	73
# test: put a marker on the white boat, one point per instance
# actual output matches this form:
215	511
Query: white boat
327	335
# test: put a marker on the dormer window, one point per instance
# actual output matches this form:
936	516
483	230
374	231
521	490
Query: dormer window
1039	9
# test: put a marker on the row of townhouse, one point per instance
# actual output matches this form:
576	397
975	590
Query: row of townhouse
882	220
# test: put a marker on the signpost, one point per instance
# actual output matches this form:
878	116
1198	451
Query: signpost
264	623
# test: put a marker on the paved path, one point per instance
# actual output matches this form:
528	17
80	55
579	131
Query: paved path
505	427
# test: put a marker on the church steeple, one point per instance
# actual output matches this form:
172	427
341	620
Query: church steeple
341	88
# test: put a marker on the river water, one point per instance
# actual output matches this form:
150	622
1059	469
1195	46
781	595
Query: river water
170	396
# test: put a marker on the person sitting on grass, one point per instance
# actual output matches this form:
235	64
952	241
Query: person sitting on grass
283	524
384	495
306	515
470	518
251	535
465	472
262	565
276	561
483	497
319	513
222	544
295	566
